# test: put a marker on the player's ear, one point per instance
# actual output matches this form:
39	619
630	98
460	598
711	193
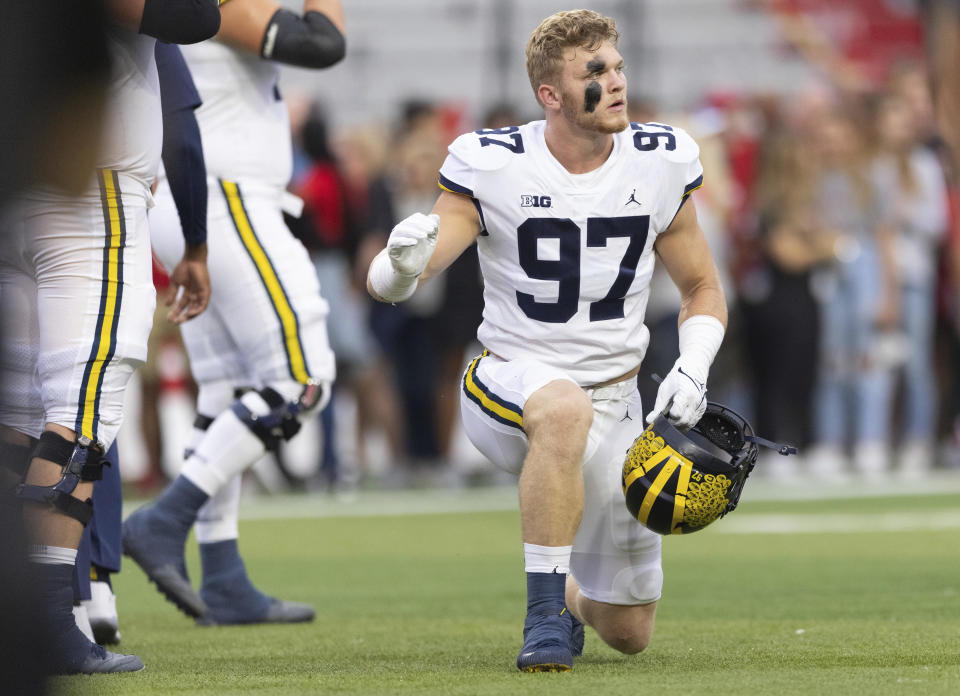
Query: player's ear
549	96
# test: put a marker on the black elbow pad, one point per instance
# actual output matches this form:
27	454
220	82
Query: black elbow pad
311	41
180	21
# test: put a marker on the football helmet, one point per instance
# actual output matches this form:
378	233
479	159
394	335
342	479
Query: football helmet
678	483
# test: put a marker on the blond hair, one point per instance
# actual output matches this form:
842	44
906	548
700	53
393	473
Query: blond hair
558	32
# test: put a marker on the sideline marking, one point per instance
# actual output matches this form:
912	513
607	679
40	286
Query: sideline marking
438	501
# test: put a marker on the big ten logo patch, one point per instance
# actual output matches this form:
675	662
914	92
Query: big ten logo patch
534	201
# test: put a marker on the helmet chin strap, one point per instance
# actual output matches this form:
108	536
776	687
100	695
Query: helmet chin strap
784	450
781	449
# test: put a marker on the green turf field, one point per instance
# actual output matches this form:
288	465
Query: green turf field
775	599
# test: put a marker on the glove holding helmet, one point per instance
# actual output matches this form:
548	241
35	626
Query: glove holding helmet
688	468
678	483
682	394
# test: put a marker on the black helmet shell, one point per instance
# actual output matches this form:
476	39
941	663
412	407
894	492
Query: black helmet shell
678	483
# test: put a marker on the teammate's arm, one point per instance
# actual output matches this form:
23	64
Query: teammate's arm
413	256
183	161
314	39
703	318
172	21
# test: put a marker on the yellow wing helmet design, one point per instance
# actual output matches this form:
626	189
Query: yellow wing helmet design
678	483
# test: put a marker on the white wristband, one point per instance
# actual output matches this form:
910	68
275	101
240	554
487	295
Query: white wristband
700	339
387	283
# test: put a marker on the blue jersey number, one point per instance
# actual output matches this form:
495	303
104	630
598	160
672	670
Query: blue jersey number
565	269
649	135
516	146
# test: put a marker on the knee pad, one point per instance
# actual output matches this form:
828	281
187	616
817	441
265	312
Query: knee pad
642	584
81	461
273	417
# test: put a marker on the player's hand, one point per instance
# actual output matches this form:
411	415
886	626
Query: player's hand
412	242
189	291
685	395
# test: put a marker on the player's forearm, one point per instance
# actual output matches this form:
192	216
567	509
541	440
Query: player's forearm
702	324
706	297
186	172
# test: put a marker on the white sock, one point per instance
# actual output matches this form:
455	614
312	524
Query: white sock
51	555
547	559
217	519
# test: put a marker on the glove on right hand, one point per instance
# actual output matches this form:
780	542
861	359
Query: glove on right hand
412	242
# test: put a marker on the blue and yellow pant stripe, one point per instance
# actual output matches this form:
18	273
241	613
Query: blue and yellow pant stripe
497	408
108	315
289	323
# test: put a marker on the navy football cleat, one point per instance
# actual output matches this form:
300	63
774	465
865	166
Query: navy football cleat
547	641
277	611
74	654
161	556
576	636
101	661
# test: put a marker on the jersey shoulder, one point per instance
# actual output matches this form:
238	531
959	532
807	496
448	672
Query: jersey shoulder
491	149
662	141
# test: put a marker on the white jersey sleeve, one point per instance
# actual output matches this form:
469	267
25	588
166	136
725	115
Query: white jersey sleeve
471	155
679	156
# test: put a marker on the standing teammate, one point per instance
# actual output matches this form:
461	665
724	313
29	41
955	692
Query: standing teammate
77	297
260	355
567	214
189	292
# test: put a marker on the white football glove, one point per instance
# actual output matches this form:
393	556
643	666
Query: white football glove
412	242
685	395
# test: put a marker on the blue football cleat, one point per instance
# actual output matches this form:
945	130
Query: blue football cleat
101	661
230	596
576	636
547	638
159	551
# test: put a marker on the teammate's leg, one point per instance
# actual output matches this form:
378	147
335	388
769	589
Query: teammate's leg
105	551
92	336
21	407
227	591
269	311
154	536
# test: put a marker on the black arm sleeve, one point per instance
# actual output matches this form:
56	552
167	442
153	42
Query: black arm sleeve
180	21
186	172
311	41
182	151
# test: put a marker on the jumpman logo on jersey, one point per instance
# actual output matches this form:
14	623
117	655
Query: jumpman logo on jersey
633	198
627	416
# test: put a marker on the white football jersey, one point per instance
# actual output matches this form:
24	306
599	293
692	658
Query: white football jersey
567	258
133	133
243	119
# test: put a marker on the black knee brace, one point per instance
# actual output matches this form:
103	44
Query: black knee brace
201	422
80	460
282	422
15	459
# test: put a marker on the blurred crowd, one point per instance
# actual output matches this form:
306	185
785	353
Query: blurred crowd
830	214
